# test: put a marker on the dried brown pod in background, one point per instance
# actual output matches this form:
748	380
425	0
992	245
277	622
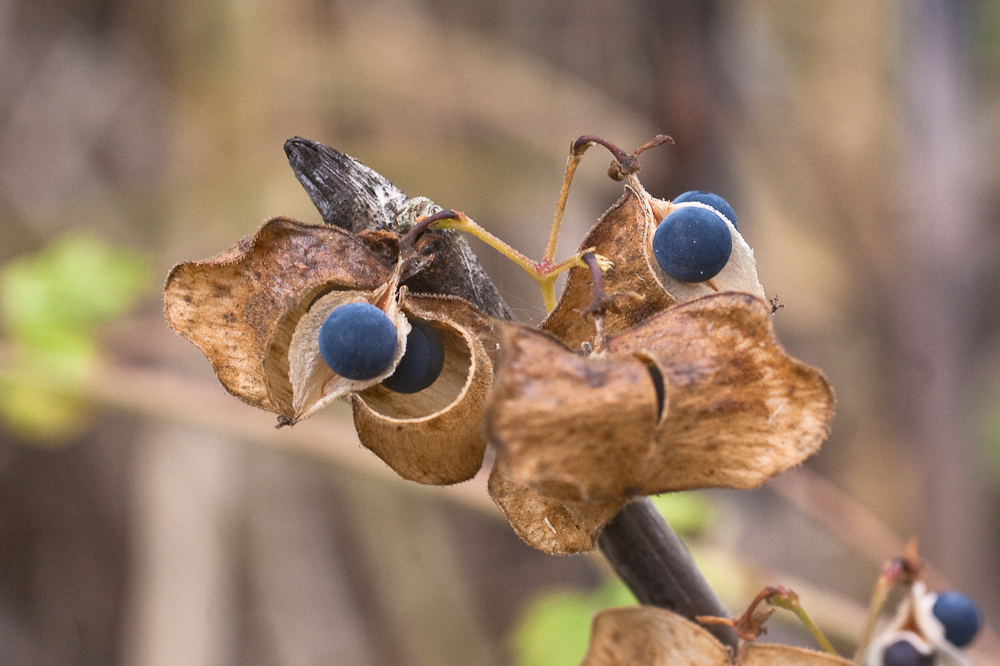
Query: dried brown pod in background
650	636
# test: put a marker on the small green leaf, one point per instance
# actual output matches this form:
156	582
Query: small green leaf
555	628
689	513
52	304
75	284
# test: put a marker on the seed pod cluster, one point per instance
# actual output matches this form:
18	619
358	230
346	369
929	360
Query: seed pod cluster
928	627
637	383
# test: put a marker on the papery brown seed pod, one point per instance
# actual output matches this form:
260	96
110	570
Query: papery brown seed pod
435	436
624	235
651	636
557	417
697	396
237	304
738	409
552	526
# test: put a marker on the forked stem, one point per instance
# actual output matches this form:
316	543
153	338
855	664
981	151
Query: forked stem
751	624
623	165
543	272
789	600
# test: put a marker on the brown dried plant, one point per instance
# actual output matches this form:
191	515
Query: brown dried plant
650	636
255	311
639	384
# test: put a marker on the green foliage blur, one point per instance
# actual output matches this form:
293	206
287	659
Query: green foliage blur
52	305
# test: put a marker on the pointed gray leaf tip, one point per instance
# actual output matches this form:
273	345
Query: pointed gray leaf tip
347	194
356	198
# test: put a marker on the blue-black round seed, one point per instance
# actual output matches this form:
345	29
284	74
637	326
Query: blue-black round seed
709	199
958	615
904	653
692	244
358	341
422	361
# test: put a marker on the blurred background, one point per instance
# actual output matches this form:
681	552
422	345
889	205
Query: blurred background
146	517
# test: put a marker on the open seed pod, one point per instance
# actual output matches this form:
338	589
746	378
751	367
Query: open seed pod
239	305
435	436
651	636
256	312
624	235
916	624
298	378
699	395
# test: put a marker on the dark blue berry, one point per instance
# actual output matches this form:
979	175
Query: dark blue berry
421	363
959	616
358	341
692	244
709	199
903	653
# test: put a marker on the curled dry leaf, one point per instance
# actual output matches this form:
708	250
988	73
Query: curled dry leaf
557	417
650	636
256	310
699	395
624	235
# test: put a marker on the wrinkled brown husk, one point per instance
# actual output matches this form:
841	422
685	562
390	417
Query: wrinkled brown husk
650	636
739	409
231	306
557	528
584	429
577	429
624	235
435	436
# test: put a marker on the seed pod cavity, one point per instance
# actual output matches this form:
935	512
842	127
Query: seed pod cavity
240	305
313	384
435	436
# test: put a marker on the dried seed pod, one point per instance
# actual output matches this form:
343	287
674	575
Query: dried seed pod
236	306
624	235
545	523
738	409
256	312
557	418
651	636
435	436
699	395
